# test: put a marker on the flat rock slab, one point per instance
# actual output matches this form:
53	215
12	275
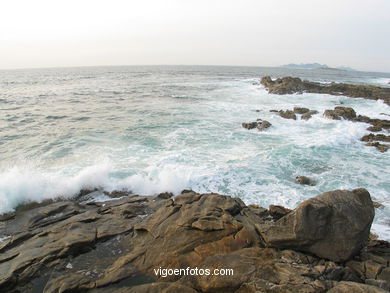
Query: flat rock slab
115	246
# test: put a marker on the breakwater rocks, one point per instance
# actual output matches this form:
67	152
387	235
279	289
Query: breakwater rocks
321	246
292	85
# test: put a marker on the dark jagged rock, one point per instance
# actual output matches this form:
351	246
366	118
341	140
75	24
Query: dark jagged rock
376	137
300	110
291	85
115	246
340	112
259	124
263	124
346	112
308	115
379	146
304	180
373	140
331	114
249	125
288	114
374	128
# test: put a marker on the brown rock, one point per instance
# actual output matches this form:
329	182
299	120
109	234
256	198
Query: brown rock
249	125
288	114
333	225
299	110
376	137
374	128
380	147
348	287
331	114
308	115
304	180
345	112
165	195
263	124
278	211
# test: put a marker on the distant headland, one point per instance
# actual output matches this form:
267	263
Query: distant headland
315	66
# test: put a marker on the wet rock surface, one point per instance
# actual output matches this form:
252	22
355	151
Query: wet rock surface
292	85
305	113
304	180
115	246
259	124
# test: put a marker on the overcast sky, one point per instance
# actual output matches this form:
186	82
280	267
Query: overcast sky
50	33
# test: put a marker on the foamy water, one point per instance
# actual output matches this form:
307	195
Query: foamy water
157	129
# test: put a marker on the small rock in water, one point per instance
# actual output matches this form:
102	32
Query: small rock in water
380	147
288	114
263	125
304	180
308	115
374	128
330	114
249	125
299	110
346	112
259	124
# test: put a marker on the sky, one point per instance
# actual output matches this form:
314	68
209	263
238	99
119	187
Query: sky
53	33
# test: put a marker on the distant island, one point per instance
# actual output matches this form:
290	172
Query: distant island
315	66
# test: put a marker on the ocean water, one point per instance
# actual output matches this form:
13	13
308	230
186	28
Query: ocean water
166	128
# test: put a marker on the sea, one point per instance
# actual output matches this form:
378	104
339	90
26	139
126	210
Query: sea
153	129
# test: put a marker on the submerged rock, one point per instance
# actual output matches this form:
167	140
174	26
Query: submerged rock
263	124
259	124
308	115
376	137
288	114
304	180
345	112
339	112
379	146
331	114
334	225
300	110
249	125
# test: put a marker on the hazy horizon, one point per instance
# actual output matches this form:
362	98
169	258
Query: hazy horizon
223	33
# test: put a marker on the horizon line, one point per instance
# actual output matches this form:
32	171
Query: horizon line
188	65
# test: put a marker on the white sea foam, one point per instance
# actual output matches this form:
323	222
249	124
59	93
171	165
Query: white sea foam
19	185
382	81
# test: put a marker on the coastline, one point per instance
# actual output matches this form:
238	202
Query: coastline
53	246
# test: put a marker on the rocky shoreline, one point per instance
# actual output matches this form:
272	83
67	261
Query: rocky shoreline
323	245
292	85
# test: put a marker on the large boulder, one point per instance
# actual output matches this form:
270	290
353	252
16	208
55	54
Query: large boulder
334	225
